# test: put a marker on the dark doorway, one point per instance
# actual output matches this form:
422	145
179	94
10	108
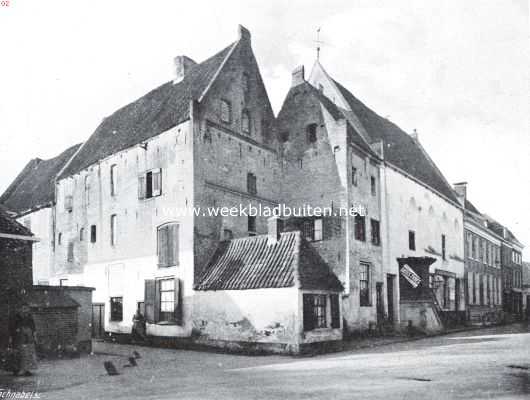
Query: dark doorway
379	302
390	296
98	320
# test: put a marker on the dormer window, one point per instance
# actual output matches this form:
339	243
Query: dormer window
245	122
311	133
225	111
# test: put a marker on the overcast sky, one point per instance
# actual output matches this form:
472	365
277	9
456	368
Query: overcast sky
457	71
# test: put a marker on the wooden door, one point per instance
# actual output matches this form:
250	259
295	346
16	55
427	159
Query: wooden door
390	296
98	320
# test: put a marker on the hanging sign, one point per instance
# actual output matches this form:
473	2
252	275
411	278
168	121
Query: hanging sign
411	276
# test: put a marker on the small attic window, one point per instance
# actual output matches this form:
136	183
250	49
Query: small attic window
245	122
311	133
244	82
284	136
225	111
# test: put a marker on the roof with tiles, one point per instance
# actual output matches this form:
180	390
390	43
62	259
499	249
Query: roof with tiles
255	263
400	148
152	114
10	226
33	188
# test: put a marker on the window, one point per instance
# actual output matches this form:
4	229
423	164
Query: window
354	176
87	190
113	179
92	233
70	252
335	311
150	184
168	245
312	229
245	122
244	82
167	299
163	300
227	234
364	285
314	311
59	238
81	234
251	183
311	133
474	247
251	225
68	203
284	136
360	228
116	308
474	288
376	239
113	229
443	247
373	188
412	240
225	111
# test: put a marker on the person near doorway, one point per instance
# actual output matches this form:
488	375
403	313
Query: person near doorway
138	329
22	337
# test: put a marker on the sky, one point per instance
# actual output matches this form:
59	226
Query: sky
456	71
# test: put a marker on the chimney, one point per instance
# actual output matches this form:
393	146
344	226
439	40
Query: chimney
504	233
461	190
275	228
243	33
414	134
298	76
182	65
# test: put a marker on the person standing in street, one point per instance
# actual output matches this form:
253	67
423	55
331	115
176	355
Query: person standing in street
23	338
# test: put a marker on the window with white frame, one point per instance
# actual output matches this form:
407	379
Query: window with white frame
225	111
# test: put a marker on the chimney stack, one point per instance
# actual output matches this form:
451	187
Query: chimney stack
461	191
275	228
298	76
243	33
182	65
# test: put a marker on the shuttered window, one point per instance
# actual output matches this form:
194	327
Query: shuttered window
314	309
163	300
168	245
150	184
360	228
335	311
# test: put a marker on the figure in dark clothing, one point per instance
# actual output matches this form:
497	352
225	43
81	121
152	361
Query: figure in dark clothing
138	329
22	338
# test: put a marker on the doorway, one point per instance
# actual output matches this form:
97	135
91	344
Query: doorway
390	279
98	320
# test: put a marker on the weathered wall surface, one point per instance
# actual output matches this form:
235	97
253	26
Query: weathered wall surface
134	255
224	154
411	206
258	315
40	223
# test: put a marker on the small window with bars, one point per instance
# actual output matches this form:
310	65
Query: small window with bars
364	285
251	183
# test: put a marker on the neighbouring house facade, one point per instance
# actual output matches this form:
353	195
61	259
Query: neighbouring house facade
419	213
482	263
526	289
16	242
30	199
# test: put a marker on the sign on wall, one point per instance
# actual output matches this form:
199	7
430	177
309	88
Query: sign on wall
412	277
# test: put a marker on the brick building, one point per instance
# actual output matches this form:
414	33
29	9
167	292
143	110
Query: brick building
484	281
16	243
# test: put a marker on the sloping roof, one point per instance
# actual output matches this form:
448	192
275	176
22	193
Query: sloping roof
400	148
159	110
469	206
40	297
498	228
10	226
253	263
34	186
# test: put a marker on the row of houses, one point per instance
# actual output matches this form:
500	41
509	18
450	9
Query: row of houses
108	213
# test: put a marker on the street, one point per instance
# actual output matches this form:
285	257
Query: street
478	364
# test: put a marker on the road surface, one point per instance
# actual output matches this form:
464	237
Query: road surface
480	364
